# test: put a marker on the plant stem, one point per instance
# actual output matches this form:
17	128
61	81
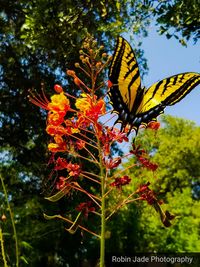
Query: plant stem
103	225
2	249
103	219
12	220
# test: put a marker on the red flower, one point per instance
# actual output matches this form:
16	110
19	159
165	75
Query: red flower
154	125
85	208
80	144
112	163
143	188
146	163
121	181
74	169
146	193
61	183
61	164
142	157
137	151
110	135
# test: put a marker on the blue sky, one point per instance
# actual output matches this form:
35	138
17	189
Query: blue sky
167	57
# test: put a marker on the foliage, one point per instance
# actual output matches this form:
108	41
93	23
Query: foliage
179	19
177	180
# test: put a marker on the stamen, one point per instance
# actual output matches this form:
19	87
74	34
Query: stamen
38	100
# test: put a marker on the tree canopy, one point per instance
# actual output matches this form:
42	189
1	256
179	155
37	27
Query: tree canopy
175	148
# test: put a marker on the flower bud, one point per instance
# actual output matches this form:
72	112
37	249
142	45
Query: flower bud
71	73
110	58
3	218
58	88
104	55
98	64
86	45
77	65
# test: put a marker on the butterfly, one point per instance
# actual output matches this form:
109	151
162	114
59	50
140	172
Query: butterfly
134	104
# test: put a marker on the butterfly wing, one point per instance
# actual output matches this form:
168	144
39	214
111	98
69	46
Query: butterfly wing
134	106
164	93
125	91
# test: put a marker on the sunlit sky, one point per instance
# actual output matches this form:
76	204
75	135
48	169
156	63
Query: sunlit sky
167	57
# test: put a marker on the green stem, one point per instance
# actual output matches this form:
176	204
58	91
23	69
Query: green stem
12	220
2	249
103	217
103	225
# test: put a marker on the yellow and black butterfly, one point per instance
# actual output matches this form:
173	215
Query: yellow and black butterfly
135	105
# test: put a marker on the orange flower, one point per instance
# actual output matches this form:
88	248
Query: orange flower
56	118
71	127
90	106
59	146
59	102
55	130
83	103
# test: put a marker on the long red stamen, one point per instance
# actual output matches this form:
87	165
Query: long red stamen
39	100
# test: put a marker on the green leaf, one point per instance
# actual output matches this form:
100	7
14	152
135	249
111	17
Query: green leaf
26	245
75	225
51	217
59	195
24	259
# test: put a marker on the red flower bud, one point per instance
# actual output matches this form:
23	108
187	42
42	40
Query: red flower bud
58	88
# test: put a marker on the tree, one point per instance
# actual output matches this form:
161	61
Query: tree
178	18
175	149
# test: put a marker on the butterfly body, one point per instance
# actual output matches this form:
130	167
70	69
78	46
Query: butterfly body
135	105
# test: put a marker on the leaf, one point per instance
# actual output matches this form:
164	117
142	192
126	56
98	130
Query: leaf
73	228
51	217
24	259
26	245
75	225
59	195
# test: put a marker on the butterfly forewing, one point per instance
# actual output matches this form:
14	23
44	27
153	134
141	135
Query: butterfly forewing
124	75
